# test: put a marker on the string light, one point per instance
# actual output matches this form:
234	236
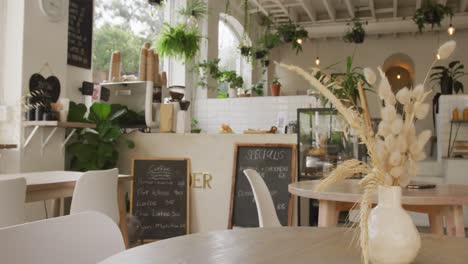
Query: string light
299	41
317	61
451	30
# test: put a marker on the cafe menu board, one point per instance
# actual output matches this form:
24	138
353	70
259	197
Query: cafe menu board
80	33
276	163
160	197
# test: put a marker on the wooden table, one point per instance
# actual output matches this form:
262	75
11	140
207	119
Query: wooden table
48	185
444	201
279	245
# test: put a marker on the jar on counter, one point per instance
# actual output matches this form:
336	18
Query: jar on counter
455	114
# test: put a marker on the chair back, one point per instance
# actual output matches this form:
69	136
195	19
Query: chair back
267	216
97	191
12	198
85	238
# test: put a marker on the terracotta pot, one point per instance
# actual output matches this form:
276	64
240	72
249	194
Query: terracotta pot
275	89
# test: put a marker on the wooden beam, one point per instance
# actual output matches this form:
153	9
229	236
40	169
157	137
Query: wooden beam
309	9
260	7
330	9
463	5
395	8
372	8
350	7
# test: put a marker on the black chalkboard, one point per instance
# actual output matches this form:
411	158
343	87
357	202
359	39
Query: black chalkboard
160	197
276	163
80	33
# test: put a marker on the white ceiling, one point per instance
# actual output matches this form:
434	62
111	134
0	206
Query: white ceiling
320	13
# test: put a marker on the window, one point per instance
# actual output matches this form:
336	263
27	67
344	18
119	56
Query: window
229	36
124	26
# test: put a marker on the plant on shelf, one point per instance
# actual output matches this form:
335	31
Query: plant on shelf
448	77
275	87
257	88
356	34
235	81
194	127
96	149
179	41
431	13
394	151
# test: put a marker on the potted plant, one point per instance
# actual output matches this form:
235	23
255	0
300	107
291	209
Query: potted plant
179	41
275	87
257	88
234	81
431	13
245	50
194	127
260	54
194	12
356	34
448	77
287	32
270	40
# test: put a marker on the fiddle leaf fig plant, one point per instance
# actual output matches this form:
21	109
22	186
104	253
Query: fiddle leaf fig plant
96	149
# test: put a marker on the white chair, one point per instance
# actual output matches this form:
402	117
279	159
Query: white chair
267	216
97	191
73	239
12	197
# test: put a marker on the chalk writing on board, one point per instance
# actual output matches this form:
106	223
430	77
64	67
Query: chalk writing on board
80	32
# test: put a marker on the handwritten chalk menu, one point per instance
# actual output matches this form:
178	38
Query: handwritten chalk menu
160	197
80	33
276	164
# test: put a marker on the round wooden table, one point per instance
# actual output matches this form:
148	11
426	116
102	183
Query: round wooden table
278	245
444	201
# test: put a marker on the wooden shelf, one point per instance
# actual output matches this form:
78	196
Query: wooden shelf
8	146
58	124
122	83
459	121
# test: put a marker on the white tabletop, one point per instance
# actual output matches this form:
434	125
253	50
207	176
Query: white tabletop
278	245
48	177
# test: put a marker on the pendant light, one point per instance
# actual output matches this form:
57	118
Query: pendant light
317	61
451	30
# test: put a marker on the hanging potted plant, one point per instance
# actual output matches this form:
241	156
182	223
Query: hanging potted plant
179	41
275	87
260	54
194	12
431	13
287	32
356	34
245	50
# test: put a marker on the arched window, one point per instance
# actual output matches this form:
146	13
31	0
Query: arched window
230	33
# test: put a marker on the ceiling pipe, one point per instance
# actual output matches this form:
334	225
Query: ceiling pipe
380	27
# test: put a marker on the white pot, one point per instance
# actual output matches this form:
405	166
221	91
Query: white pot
232	93
393	237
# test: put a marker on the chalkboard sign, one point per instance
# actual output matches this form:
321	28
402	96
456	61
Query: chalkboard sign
160	197
277	165
80	33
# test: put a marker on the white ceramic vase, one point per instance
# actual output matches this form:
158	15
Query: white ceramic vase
393	237
232	93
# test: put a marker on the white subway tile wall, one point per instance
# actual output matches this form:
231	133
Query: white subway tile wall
447	103
248	112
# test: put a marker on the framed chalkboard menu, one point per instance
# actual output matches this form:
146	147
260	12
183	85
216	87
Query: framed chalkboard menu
161	198
276	163
80	33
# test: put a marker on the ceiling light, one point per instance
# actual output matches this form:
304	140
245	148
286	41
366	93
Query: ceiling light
299	41
317	61
451	30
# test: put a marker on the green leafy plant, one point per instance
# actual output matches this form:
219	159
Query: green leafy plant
448	77
356	34
209	68
347	84
270	40
96	149
194	126
197	9
431	13
231	77
179	41
294	34
258	88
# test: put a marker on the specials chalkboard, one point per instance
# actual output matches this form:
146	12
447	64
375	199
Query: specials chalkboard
80	33
276	163
161	198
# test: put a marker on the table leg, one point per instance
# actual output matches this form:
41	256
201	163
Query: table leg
328	216
436	223
122	212
455	221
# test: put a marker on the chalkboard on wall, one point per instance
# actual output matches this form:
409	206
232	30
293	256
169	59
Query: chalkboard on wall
277	165
161	198
80	33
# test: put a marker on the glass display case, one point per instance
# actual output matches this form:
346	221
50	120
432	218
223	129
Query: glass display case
323	142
